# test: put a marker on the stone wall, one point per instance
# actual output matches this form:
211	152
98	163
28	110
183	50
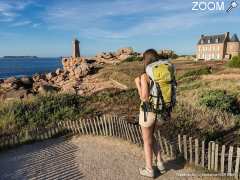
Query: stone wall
233	48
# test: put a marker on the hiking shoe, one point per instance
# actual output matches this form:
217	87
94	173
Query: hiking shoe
161	167
146	172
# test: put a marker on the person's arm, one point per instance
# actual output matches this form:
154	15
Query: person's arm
138	85
144	88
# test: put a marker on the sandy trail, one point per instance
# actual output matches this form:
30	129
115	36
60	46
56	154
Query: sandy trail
84	157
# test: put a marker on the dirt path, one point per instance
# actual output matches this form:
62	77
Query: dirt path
85	157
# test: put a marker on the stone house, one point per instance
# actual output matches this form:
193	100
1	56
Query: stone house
218	47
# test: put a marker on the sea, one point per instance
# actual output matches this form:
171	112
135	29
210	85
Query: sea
19	67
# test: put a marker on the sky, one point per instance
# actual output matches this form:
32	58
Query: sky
46	28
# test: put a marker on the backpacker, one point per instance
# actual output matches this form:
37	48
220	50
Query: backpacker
162	86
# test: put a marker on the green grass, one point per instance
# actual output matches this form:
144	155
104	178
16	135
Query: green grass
234	62
195	73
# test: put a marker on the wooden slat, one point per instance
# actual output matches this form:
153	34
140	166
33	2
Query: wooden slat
203	154
100	126
179	143
236	173
161	142
93	126
223	158
190	150
196	152
185	147
140	132
124	129
103	126
216	158
110	126
106	126
212	155
82	126
166	145
230	156
209	155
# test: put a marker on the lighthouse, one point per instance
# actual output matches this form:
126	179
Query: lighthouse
76	49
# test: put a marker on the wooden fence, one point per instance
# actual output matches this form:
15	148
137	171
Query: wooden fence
221	159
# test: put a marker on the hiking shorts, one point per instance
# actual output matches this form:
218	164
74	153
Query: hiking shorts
151	117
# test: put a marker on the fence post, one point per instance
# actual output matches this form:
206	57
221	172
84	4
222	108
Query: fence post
230	154
209	155
106	127
179	143
223	158
191	150
166	145
203	154
216	158
161	143
110	125
196	152
185	146
237	164
212	155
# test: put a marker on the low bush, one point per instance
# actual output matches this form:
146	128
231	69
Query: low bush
133	58
219	99
44	111
196	72
234	62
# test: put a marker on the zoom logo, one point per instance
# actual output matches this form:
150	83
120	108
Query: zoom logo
208	6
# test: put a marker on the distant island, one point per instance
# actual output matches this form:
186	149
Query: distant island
20	57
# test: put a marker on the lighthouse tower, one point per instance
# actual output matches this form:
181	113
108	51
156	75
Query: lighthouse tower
76	49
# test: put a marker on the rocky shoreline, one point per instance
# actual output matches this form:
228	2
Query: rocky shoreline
64	80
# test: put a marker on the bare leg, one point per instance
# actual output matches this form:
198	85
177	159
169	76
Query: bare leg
156	150
148	145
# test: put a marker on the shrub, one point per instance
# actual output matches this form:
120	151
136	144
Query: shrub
221	100
234	62
197	72
133	58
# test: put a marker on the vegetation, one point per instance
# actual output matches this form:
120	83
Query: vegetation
133	58
196	72
43	111
219	99
234	62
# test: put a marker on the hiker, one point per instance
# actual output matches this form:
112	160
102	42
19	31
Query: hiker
157	90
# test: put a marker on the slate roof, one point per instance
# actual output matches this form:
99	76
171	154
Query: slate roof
234	38
212	39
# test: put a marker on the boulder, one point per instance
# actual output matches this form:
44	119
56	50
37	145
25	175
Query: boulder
50	75
26	82
82	70
59	71
126	51
47	88
69	88
122	57
11	83
37	77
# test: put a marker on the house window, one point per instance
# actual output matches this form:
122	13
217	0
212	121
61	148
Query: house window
217	40
202	41
208	41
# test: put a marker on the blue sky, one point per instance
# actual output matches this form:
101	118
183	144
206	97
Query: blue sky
47	27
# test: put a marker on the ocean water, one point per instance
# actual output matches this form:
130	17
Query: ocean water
27	66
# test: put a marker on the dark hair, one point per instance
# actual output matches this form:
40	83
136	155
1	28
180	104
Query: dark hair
150	56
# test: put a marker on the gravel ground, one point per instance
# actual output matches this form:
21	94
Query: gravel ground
84	157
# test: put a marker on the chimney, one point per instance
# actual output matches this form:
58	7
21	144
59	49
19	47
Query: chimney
226	34
76	49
